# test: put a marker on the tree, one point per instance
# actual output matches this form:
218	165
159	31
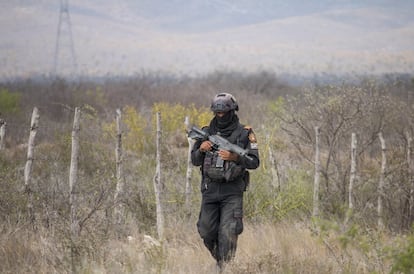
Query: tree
339	111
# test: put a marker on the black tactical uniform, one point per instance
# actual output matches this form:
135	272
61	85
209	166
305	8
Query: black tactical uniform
223	183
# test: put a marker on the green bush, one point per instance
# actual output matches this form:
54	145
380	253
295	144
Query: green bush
9	102
267	203
403	256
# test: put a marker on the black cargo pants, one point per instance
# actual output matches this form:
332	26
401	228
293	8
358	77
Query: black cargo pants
220	221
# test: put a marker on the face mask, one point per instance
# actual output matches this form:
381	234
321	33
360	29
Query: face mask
225	120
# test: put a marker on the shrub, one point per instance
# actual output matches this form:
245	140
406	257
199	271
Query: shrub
9	102
403	256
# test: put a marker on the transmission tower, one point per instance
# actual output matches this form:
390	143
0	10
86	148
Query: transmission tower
65	58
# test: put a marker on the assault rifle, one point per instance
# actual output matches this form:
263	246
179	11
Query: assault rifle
218	142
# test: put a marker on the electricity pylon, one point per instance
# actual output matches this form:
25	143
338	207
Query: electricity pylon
65	58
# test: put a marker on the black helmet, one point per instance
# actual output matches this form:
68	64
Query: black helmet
224	102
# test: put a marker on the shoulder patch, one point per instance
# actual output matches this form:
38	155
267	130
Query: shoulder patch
252	136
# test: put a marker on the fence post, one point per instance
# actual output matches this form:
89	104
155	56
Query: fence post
188	188
73	175
315	211
28	167
73	180
353	174
158	185
381	182
119	191
2	133
352	177
410	168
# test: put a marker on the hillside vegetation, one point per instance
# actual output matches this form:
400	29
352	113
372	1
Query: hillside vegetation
282	235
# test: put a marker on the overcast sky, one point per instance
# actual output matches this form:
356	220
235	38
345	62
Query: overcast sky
199	36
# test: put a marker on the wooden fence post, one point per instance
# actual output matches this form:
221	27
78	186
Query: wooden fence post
381	182
315	211
73	176
188	189
2	133
158	186
352	177
353	171
28	167
119	191
73	180
410	168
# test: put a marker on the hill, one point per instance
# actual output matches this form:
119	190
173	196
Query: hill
126	37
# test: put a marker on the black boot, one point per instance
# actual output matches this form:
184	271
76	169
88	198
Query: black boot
220	266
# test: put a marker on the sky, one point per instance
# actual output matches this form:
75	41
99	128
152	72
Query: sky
126	37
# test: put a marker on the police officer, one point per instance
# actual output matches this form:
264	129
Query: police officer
224	179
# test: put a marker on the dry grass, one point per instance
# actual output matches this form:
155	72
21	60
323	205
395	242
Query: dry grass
263	248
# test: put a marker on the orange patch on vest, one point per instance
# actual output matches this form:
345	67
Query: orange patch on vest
252	137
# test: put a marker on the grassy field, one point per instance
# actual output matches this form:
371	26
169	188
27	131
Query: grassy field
263	248
280	236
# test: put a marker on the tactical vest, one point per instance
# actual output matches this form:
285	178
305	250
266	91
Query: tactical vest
224	171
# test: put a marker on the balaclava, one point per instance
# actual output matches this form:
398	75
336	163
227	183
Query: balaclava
224	125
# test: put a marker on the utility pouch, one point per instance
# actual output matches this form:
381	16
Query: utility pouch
214	166
232	171
218	170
